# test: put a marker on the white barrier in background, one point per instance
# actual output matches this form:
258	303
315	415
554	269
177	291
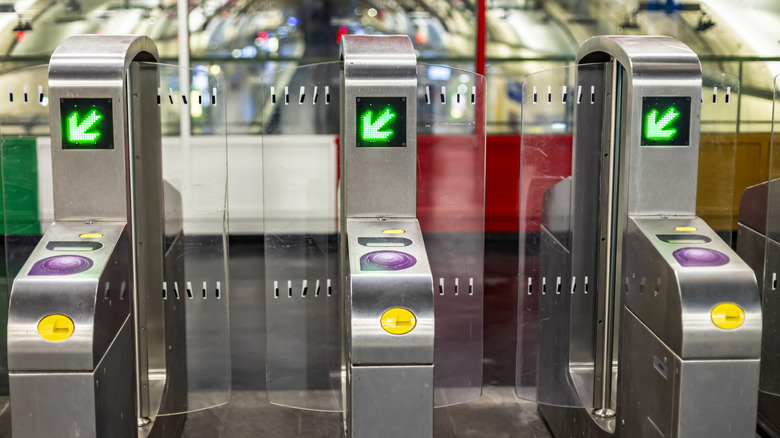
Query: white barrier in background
303	188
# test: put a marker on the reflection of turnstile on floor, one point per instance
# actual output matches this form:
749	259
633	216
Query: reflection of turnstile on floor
373	246
99	345
636	319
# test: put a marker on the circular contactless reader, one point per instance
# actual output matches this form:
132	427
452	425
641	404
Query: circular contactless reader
56	327
398	321
387	261
61	265
727	316
700	257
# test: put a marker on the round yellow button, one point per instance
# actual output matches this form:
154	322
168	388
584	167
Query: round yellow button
55	327
685	228
727	316
394	231
398	321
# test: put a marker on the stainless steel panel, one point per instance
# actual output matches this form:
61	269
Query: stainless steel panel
148	221
666	396
378	181
678	309
391	401
655	66
94	66
106	184
97	300
371	293
92	404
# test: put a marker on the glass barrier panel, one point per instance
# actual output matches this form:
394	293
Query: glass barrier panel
300	108
715	200
300	170
555	357
451	211
24	116
195	174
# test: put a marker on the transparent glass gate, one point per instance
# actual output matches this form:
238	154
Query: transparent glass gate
558	298
301	109
195	174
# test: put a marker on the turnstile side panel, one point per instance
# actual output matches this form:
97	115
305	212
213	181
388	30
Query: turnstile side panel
770	346
79	405
384	397
717	399
671	397
647	381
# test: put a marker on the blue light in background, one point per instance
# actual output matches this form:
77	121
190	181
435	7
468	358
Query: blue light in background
293	21
439	73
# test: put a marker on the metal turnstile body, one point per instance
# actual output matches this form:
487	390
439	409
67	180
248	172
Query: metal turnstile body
93	351
634	284
757	244
373	226
388	298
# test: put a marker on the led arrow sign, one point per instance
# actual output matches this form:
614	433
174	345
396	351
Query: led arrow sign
381	121
666	121
86	124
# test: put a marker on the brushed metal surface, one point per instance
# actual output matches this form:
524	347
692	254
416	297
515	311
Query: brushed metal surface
112	184
756	245
93	403
678	311
378	181
97	316
391	402
651	190
94	186
668	396
654	66
371	293
148	221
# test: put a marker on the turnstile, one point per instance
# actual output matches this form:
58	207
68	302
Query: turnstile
636	318
758	243
107	337
374	244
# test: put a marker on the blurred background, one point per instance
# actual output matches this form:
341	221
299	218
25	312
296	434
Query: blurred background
505	39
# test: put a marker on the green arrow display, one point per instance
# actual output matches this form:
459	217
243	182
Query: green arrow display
78	132
657	128
373	130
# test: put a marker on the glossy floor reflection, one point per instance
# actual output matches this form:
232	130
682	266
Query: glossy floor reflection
498	413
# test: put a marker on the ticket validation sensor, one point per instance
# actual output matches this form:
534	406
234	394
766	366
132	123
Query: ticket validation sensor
643	316
93	350
384	231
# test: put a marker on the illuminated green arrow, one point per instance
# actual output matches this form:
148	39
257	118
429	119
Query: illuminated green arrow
77	132
371	131
656	129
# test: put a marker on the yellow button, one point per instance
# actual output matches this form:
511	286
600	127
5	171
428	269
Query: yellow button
90	235
398	321
727	316
685	228
55	327
394	231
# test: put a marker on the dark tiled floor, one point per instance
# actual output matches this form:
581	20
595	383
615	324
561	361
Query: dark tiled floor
498	413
